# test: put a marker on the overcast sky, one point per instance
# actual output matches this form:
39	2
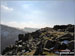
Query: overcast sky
37	14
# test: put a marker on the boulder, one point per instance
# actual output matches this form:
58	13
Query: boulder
39	49
20	36
49	44
36	34
18	42
66	37
7	49
27	37
62	27
63	46
19	48
71	45
57	46
70	29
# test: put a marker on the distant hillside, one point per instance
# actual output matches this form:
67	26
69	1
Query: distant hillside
30	29
9	35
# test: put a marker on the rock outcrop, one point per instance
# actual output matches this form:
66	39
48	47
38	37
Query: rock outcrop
43	40
63	28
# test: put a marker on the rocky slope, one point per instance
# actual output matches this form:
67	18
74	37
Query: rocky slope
44	42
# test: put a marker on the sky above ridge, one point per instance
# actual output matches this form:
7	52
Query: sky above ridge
37	14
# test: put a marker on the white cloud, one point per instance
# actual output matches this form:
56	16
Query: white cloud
5	8
12	24
24	24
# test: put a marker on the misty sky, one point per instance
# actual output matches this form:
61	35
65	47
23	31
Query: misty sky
37	14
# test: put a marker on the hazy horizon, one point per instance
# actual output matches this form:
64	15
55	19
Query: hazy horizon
37	14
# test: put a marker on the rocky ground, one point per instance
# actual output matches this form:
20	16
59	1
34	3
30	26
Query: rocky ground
46	41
